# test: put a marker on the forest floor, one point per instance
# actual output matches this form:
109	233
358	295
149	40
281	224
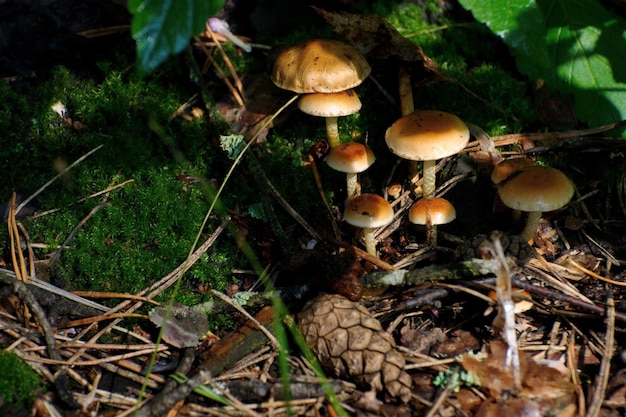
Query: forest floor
175	242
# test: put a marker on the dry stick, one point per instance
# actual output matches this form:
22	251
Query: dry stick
81	200
16	252
56	177
230	66
605	365
237	307
29	299
102	317
292	212
122	295
162	407
515	138
320	189
57	254
93	362
217	67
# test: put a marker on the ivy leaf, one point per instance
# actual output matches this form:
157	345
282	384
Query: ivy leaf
576	46
163	27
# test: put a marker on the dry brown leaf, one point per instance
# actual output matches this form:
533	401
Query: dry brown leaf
545	389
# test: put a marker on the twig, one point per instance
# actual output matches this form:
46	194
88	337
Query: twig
237	307
56	177
81	200
25	295
162	407
602	379
57	254
515	138
320	190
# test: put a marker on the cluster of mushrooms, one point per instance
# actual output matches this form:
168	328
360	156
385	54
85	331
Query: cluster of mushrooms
326	72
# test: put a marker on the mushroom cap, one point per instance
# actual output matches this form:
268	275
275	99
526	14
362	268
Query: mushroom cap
427	135
536	188
337	104
350	157
508	167
320	66
368	210
440	211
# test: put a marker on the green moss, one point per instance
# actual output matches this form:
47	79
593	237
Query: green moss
18	384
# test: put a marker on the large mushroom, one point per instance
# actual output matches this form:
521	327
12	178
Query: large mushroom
536	189
368	211
351	158
427	135
320	66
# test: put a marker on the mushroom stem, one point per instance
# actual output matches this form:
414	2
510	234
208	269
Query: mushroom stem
431	234
352	185
332	132
430	175
534	217
405	90
414	172
370	241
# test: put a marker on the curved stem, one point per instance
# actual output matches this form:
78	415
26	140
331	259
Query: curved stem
534	217
430	176
332	132
352	185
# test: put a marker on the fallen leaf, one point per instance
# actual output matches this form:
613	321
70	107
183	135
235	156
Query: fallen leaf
184	326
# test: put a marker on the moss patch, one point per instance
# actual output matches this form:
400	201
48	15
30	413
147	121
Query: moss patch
18	385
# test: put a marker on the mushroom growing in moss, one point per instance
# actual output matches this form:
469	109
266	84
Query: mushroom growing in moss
320	66
427	135
536	189
368	211
330	106
351	158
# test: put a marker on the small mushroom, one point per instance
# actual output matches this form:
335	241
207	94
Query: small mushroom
368	211
320	66
351	158
427	135
536	189
431	212
508	167
330	106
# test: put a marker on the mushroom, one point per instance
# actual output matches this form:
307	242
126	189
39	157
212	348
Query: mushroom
536	189
427	135
351	158
368	211
320	66
508	167
431	212
330	106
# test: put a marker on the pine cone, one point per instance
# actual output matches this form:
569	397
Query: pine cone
350	343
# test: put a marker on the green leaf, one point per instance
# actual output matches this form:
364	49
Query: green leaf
164	27
576	46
